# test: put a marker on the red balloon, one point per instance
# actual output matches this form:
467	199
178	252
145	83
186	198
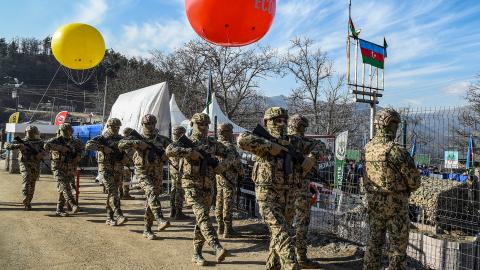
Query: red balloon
231	23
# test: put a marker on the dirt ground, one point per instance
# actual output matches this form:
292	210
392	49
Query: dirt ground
40	240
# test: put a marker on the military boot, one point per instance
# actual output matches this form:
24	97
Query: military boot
147	233
306	263
229	232
75	209
197	255
121	219
110	220
220	252
60	212
221	227
162	224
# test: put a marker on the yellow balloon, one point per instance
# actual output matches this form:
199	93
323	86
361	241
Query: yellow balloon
78	46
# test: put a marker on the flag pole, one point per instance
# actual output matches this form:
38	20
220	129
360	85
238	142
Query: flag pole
348	41
372	106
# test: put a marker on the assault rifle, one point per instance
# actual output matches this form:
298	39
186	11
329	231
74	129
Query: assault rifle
118	155
153	150
207	160
290	156
32	149
72	151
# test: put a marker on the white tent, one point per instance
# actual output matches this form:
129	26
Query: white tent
132	106
177	118
214	110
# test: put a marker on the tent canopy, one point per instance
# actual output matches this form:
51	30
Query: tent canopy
214	110
176	116
132	106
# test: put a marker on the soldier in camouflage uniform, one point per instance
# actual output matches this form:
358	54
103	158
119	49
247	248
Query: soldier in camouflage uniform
31	153
315	149
176	192
390	177
127	171
227	181
198	184
66	153
110	168
149	159
272	186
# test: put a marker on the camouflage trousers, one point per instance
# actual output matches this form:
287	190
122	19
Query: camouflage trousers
201	200
152	187
272	203
387	214
30	173
111	181
176	192
124	186
301	221
64	189
224	202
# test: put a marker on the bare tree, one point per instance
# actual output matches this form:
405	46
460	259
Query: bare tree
319	94
235	72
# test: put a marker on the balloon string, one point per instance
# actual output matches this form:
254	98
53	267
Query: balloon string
46	90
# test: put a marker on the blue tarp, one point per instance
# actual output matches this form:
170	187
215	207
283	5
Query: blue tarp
87	132
458	177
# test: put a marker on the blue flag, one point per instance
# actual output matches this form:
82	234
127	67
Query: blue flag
414	147
469	162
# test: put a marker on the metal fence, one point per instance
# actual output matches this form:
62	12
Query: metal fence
445	210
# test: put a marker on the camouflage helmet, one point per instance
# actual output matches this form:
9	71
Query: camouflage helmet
386	117
180	130
149	119
297	120
127	131
115	122
65	126
274	112
200	118
31	128
225	127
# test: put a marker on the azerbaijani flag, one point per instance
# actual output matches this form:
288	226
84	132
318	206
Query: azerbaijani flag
353	31
372	53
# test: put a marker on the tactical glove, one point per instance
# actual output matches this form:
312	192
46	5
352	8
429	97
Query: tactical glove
308	164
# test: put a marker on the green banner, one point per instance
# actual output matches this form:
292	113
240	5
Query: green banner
423	159
353	155
340	154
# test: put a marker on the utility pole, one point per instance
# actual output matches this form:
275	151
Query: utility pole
104	99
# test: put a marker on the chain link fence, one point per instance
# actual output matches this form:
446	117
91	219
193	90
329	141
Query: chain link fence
445	210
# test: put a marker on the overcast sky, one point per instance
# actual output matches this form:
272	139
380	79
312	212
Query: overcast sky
433	50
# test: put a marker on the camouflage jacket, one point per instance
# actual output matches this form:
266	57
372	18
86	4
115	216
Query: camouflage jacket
308	147
389	168
268	170
31	152
68	160
146	161
111	161
235	168
191	168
